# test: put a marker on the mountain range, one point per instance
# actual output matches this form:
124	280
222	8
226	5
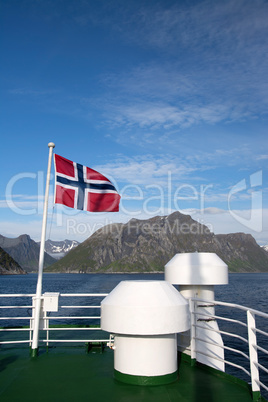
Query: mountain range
137	246
22	253
147	245
25	252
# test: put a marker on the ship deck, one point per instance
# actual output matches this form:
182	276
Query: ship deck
73	374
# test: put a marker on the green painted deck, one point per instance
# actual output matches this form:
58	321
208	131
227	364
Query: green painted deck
71	374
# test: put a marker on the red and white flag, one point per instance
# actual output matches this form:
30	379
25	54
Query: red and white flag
80	187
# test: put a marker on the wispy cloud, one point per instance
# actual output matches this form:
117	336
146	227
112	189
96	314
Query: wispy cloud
218	71
262	157
147	169
209	66
156	115
23	204
204	26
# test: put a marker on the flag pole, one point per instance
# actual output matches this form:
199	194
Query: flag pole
34	349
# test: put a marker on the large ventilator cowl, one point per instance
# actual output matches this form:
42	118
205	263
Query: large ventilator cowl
144	317
196	269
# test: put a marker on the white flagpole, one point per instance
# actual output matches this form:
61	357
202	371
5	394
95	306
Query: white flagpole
34	351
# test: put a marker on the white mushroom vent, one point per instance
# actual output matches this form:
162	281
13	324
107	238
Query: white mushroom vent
144	308
144	317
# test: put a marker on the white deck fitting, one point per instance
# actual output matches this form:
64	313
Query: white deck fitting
144	317
196	274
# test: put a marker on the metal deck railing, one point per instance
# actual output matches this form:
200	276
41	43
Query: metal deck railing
244	341
71	319
244	333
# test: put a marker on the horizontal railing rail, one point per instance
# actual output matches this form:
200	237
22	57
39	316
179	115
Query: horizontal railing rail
50	320
249	339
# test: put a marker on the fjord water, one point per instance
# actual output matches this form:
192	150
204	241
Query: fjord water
250	290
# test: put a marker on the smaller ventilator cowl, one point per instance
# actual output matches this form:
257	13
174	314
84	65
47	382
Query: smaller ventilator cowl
196	269
197	274
144	317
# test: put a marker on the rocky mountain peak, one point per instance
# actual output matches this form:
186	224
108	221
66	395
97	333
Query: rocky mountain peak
147	245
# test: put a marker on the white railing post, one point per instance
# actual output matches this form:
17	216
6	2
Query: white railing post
253	355
46	327
192	305
30	333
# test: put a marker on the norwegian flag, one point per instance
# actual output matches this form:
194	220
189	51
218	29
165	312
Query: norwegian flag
80	187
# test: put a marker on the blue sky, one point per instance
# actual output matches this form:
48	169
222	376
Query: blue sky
167	98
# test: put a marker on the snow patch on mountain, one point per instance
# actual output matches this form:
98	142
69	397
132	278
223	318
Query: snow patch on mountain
59	249
265	248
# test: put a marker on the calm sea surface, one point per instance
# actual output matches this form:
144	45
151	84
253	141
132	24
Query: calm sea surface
249	290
